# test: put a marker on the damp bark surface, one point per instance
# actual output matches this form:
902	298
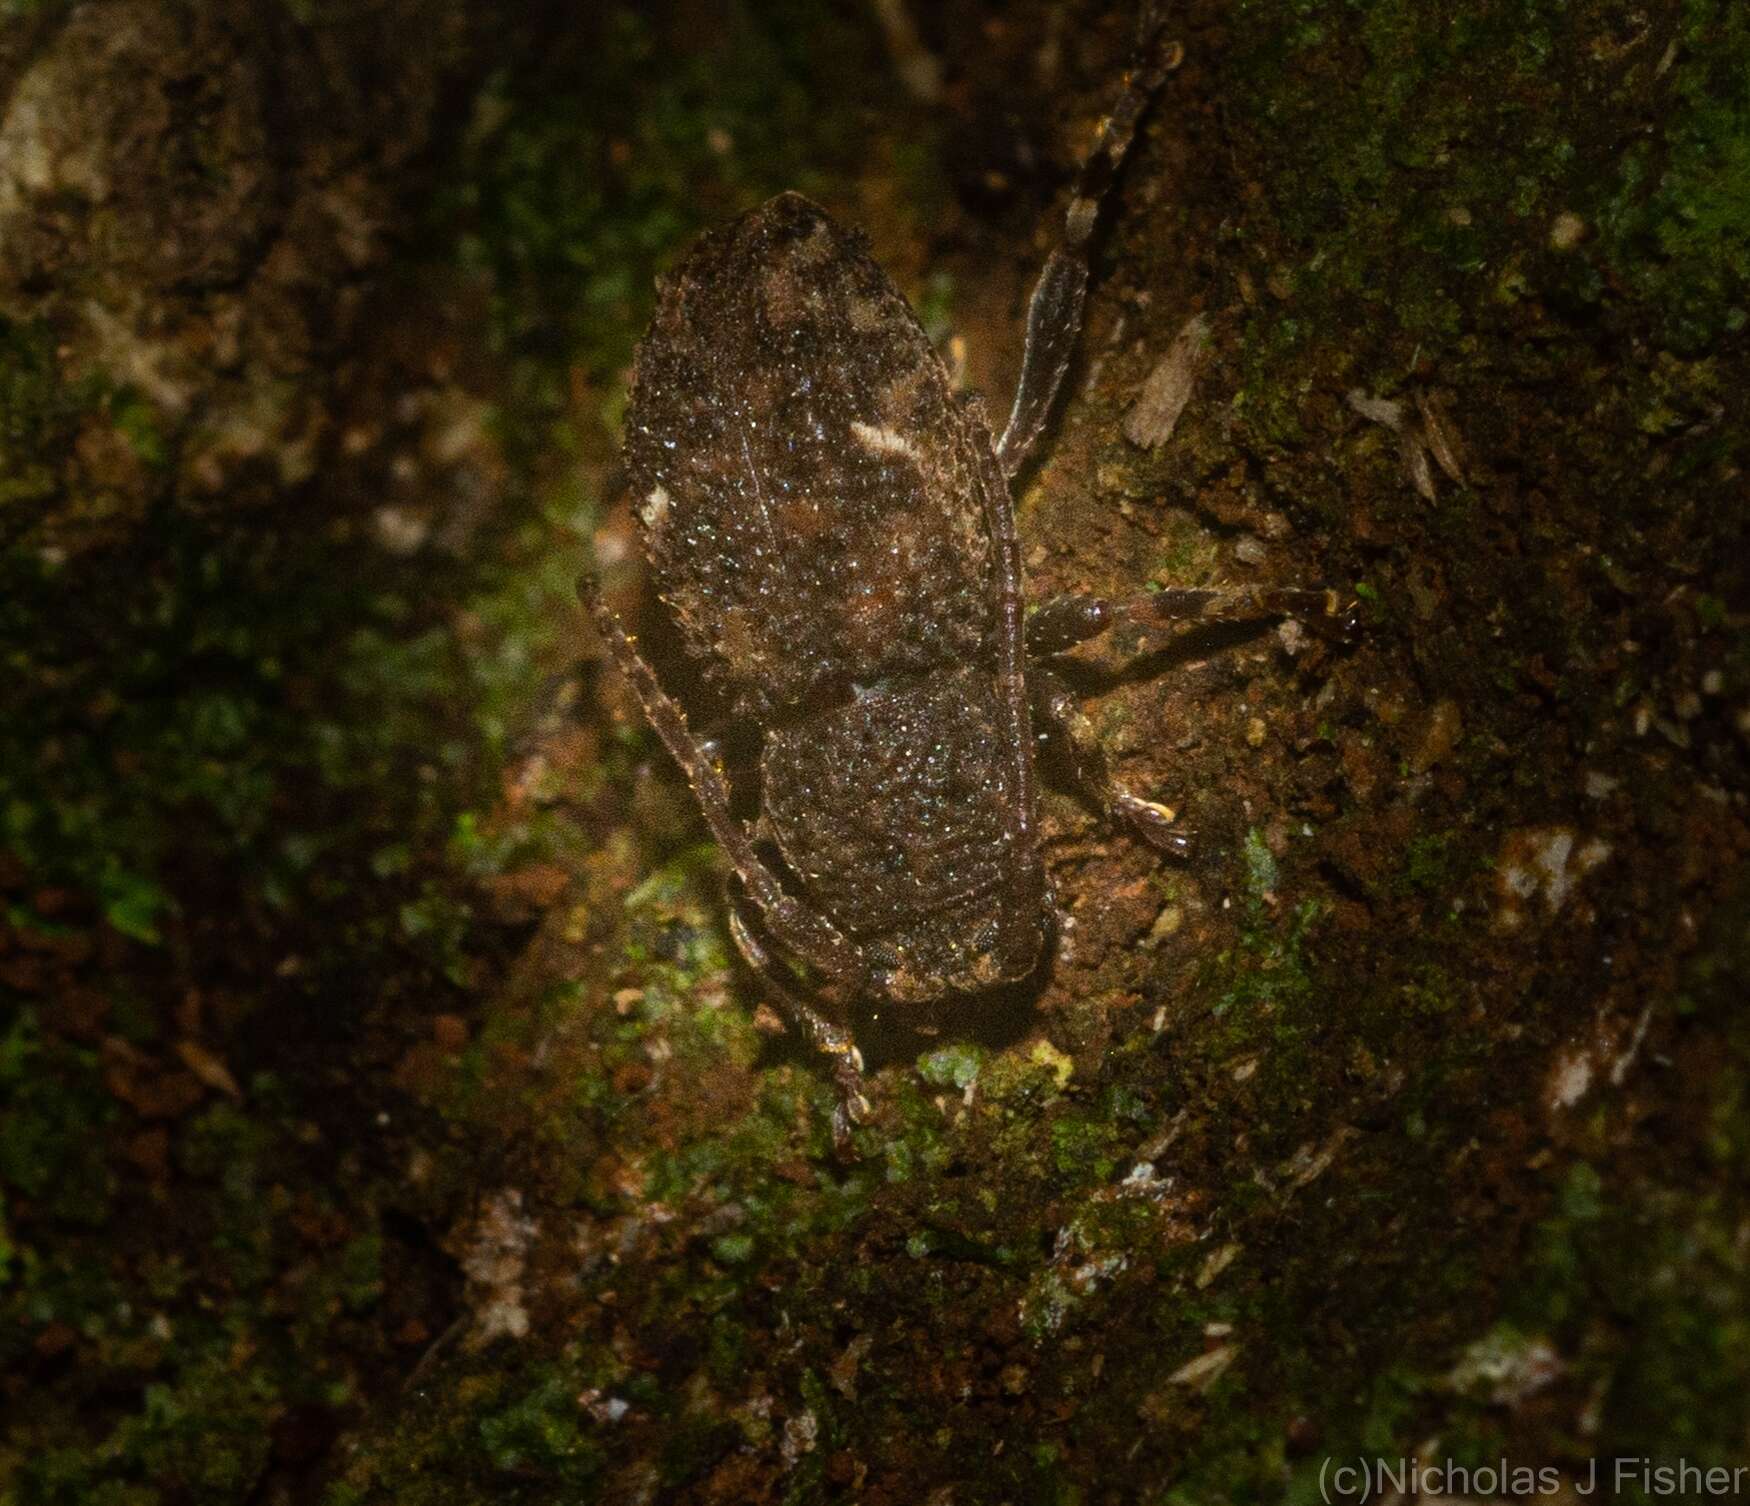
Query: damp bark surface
383	1116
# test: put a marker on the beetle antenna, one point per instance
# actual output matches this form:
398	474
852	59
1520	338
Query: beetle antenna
1054	315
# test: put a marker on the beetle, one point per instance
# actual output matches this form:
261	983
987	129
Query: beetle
830	524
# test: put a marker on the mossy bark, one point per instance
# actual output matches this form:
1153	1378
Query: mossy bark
383	1116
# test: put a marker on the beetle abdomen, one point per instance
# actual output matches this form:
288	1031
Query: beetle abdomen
894	813
810	491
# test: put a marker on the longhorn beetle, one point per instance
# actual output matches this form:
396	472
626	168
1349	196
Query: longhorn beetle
831	525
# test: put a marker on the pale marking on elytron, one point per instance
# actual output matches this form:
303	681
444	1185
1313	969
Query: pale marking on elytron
655	507
883	441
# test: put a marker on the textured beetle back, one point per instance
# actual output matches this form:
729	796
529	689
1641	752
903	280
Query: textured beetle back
894	813
809	487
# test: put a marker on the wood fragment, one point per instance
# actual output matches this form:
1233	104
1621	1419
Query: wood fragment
919	69
1381	410
1416	467
1155	413
1442	438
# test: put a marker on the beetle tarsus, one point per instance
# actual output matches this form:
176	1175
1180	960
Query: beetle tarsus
1060	714
825	1036
1065	621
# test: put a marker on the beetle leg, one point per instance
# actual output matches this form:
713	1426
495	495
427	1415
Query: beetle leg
1025	876
1066	621
831	1040
808	932
1057	709
1054	315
